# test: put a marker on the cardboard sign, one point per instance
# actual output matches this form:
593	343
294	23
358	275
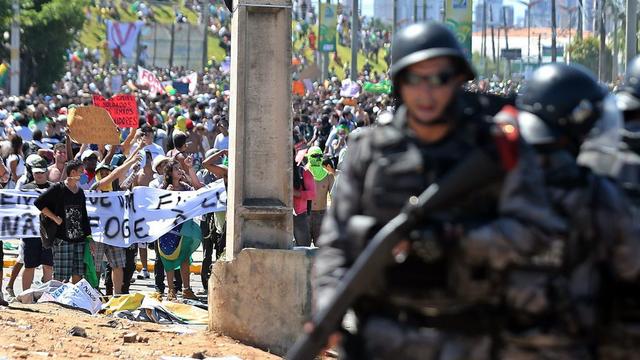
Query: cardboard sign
123	109
92	125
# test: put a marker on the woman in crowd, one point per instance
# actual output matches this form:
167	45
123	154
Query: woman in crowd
177	246
15	161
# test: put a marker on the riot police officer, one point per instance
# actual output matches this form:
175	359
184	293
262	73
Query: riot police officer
628	166
556	298
435	304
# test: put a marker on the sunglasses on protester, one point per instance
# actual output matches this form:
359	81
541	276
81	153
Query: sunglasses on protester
434	80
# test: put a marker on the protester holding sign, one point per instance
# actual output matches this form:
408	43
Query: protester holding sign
117	279
65	204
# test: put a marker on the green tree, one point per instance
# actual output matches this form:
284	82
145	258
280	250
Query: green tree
585	52
48	28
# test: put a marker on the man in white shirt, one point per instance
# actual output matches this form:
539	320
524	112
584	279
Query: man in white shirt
222	140
146	132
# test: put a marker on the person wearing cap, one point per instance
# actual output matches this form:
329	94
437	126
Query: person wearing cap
31	161
34	254
158	168
89	160
437	300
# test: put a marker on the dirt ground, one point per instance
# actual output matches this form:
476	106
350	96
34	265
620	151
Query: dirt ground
41	331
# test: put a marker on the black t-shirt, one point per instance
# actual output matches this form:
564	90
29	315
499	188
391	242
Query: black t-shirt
71	207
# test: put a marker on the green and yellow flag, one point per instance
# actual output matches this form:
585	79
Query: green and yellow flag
4	73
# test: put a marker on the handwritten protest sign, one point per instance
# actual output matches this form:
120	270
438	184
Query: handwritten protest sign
123	109
117	218
92	125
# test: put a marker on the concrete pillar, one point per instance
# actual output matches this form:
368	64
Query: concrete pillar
259	212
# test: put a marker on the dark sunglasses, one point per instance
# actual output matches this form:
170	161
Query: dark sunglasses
435	80
316	156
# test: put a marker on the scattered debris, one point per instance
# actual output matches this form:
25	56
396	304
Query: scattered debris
129	338
78	331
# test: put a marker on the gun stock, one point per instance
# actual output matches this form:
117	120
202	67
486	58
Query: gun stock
477	170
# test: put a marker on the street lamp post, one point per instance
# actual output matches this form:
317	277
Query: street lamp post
529	5
570	11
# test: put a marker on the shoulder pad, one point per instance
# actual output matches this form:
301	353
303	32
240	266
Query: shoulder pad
386	135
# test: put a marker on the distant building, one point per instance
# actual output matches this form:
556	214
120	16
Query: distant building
383	9
494	11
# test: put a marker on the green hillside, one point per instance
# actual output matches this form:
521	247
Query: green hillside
93	36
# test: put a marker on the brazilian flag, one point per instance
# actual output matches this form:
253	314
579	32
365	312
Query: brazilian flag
179	244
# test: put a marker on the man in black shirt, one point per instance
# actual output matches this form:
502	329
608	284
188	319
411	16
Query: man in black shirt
34	254
65	204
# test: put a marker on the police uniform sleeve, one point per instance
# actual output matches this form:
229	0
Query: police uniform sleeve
526	221
618	230
337	251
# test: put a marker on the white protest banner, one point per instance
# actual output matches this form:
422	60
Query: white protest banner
79	296
117	218
149	79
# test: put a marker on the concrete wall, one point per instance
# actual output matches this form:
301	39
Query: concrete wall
262	297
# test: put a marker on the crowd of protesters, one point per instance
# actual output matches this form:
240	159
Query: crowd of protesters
181	144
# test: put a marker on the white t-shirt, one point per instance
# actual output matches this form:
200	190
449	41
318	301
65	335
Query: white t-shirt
221	142
154	149
20	169
157	181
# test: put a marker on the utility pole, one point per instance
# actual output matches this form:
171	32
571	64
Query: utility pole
424	10
493	41
415	11
355	32
615	47
205	31
603	36
484	36
554	50
506	40
631	25
14	72
579	32
539	49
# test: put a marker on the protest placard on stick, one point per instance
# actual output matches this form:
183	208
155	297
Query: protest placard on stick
92	125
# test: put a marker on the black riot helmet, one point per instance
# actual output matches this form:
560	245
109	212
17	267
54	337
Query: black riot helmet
560	100
628	99
423	41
